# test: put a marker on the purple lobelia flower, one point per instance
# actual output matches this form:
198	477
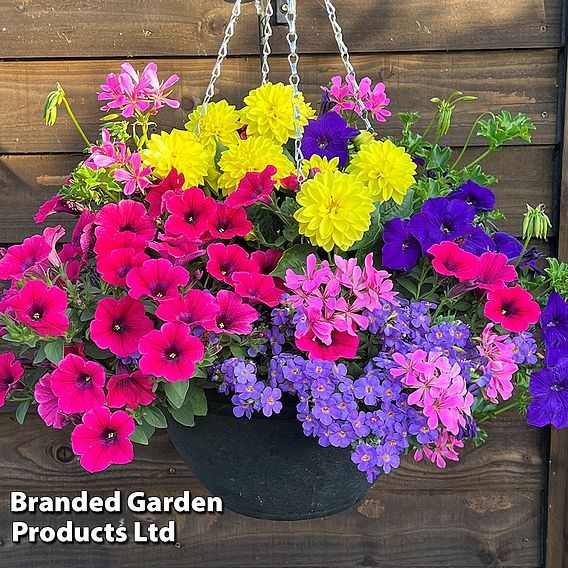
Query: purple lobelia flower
549	389
328	136
441	219
479	197
554	324
401	250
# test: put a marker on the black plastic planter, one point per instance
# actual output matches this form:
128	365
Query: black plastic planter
266	467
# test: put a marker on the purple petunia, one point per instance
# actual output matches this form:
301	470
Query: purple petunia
328	137
479	197
441	219
549	389
554	324
401	250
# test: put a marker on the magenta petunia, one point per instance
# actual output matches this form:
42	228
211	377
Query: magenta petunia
157	278
257	288
255	186
514	308
191	212
103	439
106	242
173	182
234	316
125	216
196	308
343	345
224	260
118	325
21	258
41	307
11	371
114	267
228	223
78	384
130	390
48	404
266	260
494	271
179	250
170	352
450	260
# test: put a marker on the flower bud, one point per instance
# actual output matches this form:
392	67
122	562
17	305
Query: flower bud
536	223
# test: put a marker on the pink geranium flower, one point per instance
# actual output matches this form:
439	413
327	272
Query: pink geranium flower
48	404
374	99
257	288
493	271
134	176
157	278
195	308
108	153
130	390
21	258
173	182
255	186
228	222
115	267
170	352
118	325
514	308
191	212
340	94
41	307
11	371
103	439
440	450
233	316
225	260
127	215
343	345
78	384
450	260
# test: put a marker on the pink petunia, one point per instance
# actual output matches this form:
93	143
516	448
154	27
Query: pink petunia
450	260
55	205
493	271
173	182
107	241
225	260
11	371
41	307
179	250
130	390
48	404
343	345
118	325
157	278
257	288
195	308
255	186
191	213
234	316
126	215
514	308
114	268
19	259
103	439
170	352
78	384
228	223
266	260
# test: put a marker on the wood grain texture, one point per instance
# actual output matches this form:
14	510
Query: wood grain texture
164	28
483	511
26	181
520	81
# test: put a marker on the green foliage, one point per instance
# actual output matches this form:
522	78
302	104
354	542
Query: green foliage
295	259
503	127
52	101
91	186
558	273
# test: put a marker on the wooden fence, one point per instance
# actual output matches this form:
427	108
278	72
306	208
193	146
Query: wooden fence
502	505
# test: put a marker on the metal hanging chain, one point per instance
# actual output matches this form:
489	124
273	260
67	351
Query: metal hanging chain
293	58
265	12
351	77
223	50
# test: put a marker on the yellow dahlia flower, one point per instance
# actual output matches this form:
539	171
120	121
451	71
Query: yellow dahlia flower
251	155
269	112
180	150
216	123
320	163
335	210
385	168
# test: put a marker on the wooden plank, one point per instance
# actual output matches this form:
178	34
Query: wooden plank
26	181
521	81
153	28
482	511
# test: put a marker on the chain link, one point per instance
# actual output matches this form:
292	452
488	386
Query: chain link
223	50
293	59
351	77
265	13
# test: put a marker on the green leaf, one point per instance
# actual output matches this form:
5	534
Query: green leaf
372	233
40	355
176	392
295	259
54	350
237	351
154	416
22	410
199	402
94	352
139	436
184	415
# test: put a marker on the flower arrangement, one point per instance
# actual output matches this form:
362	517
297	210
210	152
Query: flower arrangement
368	286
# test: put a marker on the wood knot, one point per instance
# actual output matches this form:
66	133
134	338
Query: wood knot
64	454
187	103
215	23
